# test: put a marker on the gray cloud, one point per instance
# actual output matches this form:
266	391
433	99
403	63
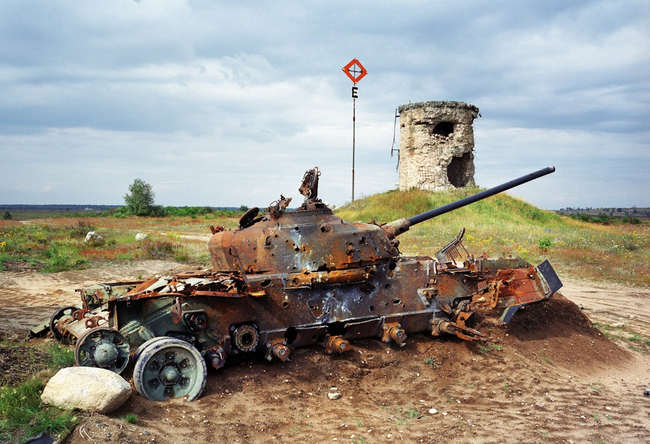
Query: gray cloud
221	103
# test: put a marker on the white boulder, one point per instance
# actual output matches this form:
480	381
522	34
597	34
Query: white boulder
94	238
141	236
86	388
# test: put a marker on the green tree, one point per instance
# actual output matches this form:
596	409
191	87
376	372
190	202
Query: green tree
7	216
140	199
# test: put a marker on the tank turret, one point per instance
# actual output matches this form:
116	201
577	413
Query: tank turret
312	238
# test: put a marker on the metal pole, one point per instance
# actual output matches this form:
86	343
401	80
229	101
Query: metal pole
354	124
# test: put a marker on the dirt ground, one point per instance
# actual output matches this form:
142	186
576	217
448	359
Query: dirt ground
549	376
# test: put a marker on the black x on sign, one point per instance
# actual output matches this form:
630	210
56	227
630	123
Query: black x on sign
355	70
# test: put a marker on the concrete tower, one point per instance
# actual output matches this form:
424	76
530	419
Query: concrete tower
436	145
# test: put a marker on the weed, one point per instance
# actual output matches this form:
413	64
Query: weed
158	250
296	430
131	418
597	387
402	417
546	359
544	433
545	243
57	260
362	440
432	361
489	348
360	424
80	229
59	356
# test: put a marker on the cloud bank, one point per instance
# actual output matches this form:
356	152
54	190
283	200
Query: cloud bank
226	104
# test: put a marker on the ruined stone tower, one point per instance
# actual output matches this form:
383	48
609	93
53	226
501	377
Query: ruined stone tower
436	145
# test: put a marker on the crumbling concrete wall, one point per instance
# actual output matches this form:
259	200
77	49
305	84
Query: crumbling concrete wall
436	145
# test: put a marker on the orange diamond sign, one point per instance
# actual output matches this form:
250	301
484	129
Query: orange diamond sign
355	70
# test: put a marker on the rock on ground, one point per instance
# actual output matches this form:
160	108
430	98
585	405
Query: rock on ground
86	388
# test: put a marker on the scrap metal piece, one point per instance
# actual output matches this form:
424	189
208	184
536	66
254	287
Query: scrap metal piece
278	350
450	254
394	331
216	357
336	344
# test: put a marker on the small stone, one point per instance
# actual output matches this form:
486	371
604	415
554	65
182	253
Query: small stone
433	411
334	395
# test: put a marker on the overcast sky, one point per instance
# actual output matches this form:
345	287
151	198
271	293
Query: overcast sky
227	103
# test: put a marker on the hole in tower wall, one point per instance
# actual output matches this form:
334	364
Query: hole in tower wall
458	171
443	129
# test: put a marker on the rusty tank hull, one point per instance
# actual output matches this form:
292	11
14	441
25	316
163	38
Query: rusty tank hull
289	279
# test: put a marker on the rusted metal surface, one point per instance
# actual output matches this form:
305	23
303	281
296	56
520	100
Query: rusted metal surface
287	279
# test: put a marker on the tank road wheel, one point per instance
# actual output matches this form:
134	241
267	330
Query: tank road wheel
102	347
170	368
61	316
152	341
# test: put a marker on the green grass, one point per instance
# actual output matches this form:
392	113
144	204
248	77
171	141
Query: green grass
626	335
21	413
58	245
131	418
488	348
403	417
596	387
432	361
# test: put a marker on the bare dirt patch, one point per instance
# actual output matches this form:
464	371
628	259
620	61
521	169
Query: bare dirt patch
549	376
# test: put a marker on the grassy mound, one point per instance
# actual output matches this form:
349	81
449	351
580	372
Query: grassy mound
502	224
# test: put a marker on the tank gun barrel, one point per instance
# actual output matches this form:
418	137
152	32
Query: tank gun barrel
399	226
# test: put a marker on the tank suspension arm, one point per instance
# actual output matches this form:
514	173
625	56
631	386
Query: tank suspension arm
399	226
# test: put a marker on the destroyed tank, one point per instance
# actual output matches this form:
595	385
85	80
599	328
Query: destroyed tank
287	279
